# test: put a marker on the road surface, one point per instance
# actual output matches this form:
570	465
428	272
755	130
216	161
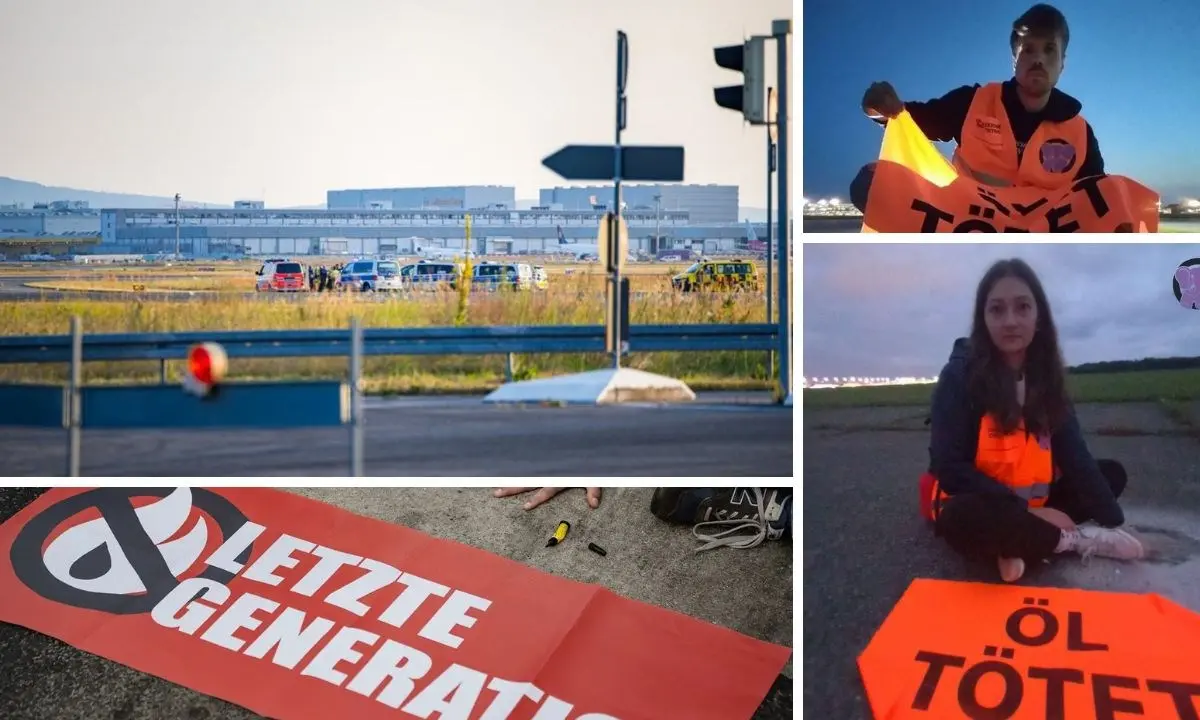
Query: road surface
647	561
719	434
864	541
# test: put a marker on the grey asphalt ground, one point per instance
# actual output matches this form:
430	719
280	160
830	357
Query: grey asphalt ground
719	434
647	560
864	541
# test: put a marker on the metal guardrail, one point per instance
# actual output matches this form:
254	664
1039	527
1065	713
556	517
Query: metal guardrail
503	340
288	404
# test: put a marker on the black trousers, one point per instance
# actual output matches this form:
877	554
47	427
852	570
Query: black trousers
860	186
992	526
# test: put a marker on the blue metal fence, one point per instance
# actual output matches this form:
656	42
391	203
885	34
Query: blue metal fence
503	340
309	403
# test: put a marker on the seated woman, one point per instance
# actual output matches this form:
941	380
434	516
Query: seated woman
1010	475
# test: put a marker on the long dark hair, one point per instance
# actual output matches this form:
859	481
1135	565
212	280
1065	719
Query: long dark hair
992	384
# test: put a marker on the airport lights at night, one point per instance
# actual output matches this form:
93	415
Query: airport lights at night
749	98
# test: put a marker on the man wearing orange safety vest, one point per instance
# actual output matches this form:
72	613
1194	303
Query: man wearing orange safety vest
1021	132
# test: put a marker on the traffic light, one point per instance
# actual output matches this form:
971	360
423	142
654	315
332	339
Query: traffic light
749	98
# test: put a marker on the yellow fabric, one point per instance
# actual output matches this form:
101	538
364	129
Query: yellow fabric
905	144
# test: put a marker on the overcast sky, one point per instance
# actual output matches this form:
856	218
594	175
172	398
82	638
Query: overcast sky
895	310
228	99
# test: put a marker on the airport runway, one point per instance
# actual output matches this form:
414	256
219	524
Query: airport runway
720	434
13	287
864	541
647	560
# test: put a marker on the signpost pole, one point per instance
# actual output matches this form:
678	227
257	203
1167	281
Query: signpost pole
770	240
782	30
614	217
636	163
356	403
74	385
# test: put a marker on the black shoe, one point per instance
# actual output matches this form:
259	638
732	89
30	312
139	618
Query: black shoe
765	511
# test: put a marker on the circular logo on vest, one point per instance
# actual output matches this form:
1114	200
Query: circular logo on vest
1186	284
1057	155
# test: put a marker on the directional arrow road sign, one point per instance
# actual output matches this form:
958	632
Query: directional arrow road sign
639	163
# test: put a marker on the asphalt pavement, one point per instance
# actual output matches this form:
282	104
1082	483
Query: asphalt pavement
647	560
864	541
717	435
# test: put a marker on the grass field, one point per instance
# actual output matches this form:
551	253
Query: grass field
571	300
1168	386
239	277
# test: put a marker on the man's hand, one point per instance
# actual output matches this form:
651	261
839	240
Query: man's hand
1057	518
544	494
881	100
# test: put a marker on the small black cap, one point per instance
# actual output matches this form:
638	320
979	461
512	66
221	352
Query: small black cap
597	549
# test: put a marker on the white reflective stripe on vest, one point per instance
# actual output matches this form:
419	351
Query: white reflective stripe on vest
1035	491
981	177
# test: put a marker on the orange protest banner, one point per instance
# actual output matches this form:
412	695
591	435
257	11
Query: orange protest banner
977	650
915	189
296	609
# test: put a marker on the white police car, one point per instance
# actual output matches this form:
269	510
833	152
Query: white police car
430	274
493	276
370	275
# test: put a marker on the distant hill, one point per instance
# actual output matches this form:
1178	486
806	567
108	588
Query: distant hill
1143	365
27	193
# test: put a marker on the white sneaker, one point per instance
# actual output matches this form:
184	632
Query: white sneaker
1106	542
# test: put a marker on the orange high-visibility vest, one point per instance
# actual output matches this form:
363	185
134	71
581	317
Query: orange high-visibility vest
1020	460
988	151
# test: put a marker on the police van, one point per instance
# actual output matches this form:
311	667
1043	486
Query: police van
370	275
430	275
494	276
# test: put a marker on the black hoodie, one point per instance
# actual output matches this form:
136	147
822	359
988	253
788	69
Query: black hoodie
954	439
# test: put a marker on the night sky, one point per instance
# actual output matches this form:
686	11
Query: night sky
1135	66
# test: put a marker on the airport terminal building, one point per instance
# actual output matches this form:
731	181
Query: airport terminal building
67	226
460	197
395	220
253	231
704	204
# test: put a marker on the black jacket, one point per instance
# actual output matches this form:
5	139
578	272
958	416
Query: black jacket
954	439
941	119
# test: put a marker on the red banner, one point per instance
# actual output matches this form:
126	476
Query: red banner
296	609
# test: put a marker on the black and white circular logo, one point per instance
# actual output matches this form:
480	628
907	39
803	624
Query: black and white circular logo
118	556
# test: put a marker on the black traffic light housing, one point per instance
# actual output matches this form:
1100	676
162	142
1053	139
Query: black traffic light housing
749	98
